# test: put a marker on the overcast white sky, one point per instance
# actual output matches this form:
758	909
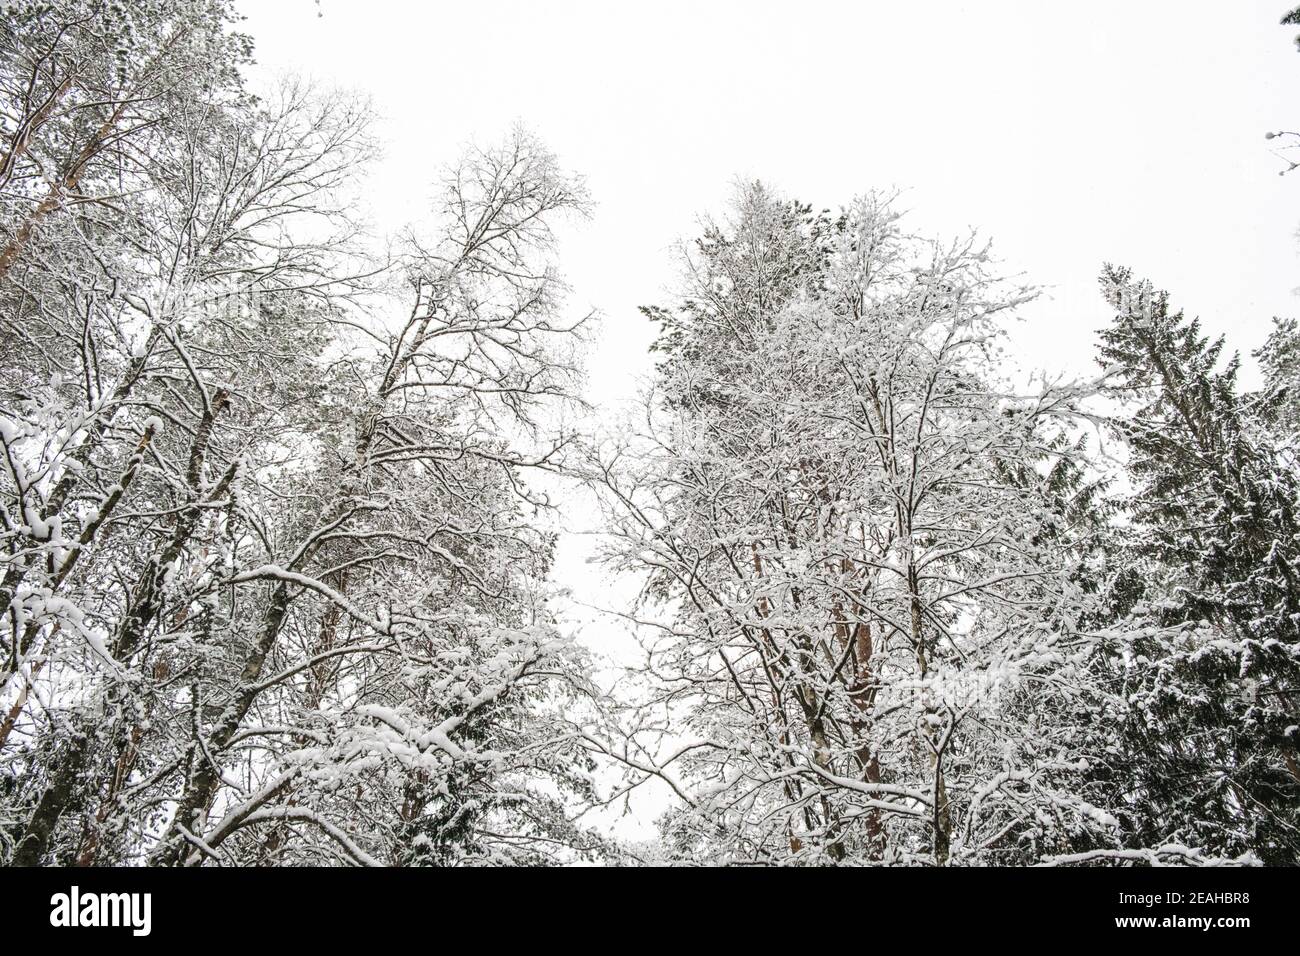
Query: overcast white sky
1069	133
1122	130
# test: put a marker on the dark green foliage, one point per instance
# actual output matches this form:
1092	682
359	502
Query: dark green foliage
1211	495
1278	404
1205	652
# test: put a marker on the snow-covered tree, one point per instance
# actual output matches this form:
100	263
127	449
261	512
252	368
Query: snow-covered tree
1206	651
859	536
1278	401
273	579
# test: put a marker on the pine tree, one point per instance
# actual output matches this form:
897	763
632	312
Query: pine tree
1278	403
1207	661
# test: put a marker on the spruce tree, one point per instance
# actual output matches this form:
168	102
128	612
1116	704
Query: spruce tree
1207	658
1278	403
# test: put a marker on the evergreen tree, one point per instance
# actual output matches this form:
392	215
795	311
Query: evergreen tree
1278	404
1207	658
